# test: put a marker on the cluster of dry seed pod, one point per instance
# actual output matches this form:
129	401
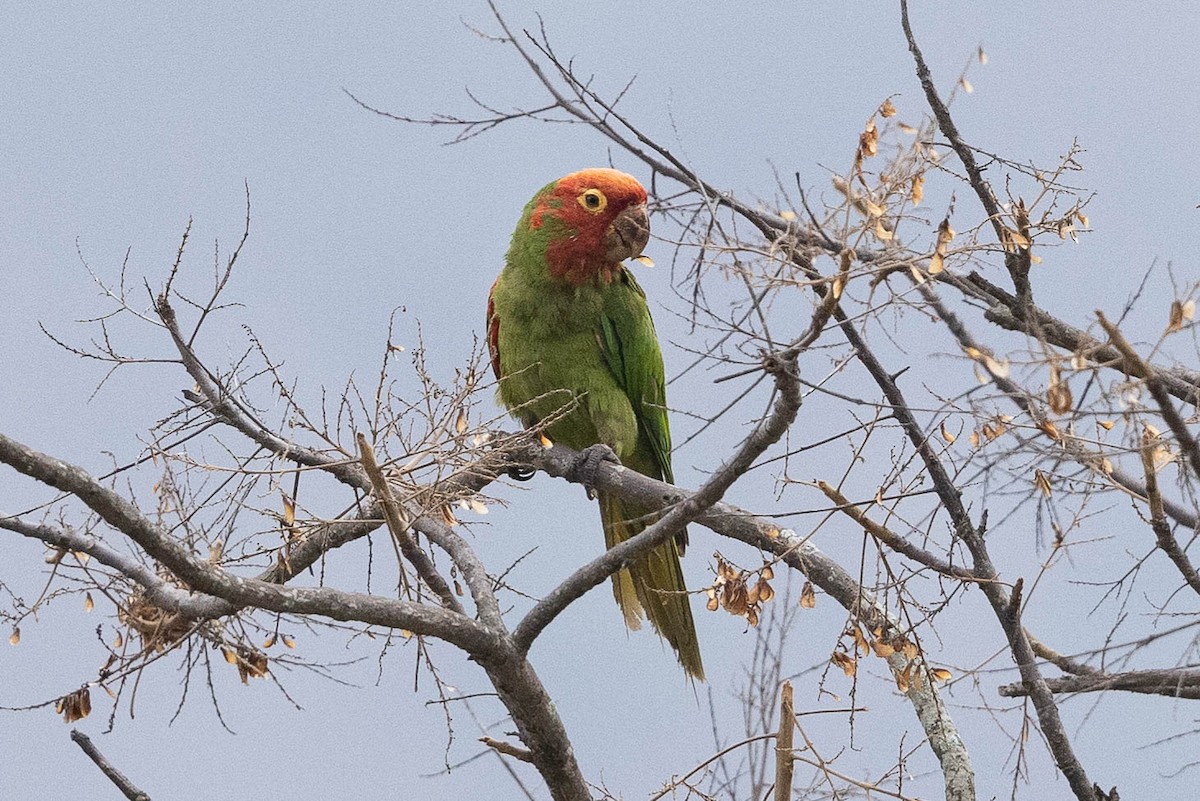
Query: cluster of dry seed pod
733	592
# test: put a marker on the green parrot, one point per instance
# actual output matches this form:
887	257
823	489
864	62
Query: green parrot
573	346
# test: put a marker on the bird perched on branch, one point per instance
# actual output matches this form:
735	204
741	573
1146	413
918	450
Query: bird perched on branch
572	343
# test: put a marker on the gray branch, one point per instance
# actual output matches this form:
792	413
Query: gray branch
1171	682
127	788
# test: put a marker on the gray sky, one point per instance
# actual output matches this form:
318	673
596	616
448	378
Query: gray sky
118	125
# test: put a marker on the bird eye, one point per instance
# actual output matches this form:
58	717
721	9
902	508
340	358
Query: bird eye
593	200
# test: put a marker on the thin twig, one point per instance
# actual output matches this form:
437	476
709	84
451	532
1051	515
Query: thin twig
501	747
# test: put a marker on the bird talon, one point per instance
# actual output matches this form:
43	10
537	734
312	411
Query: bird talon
521	473
588	462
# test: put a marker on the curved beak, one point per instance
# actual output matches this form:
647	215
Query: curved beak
627	234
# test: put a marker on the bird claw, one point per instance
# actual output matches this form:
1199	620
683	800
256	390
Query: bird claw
521	473
588	462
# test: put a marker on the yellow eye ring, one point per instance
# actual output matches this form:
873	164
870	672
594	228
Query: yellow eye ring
593	200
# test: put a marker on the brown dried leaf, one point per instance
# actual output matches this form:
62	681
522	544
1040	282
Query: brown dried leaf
460	422
808	596
88	603
765	591
1107	425
1160	454
860	642
945	234
289	510
75	706
1014	241
887	109
966	85
941	674
1042	482
1175	321
902	679
1059	394
251	665
868	140
752	596
1048	428
917	189
733	598
15	637
946	435
882	649
846	662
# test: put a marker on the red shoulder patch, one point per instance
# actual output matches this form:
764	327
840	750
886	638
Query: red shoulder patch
493	330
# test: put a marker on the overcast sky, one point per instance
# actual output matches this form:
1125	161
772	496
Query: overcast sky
118	125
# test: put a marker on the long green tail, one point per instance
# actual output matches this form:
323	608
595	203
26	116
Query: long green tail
652	585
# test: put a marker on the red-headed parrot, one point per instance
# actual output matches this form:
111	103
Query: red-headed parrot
574	349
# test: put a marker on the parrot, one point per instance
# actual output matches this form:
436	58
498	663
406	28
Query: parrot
576	356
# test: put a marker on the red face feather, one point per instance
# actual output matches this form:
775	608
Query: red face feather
599	218
604	212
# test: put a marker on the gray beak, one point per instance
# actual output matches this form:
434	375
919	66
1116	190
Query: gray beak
628	234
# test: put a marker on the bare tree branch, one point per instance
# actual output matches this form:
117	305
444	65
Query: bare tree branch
1171	682
127	788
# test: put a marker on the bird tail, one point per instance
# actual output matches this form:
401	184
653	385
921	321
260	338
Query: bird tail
653	584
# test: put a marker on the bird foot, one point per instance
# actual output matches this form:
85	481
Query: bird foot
521	473
588	462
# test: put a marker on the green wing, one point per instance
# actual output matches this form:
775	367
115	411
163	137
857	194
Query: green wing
654	583
630	347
